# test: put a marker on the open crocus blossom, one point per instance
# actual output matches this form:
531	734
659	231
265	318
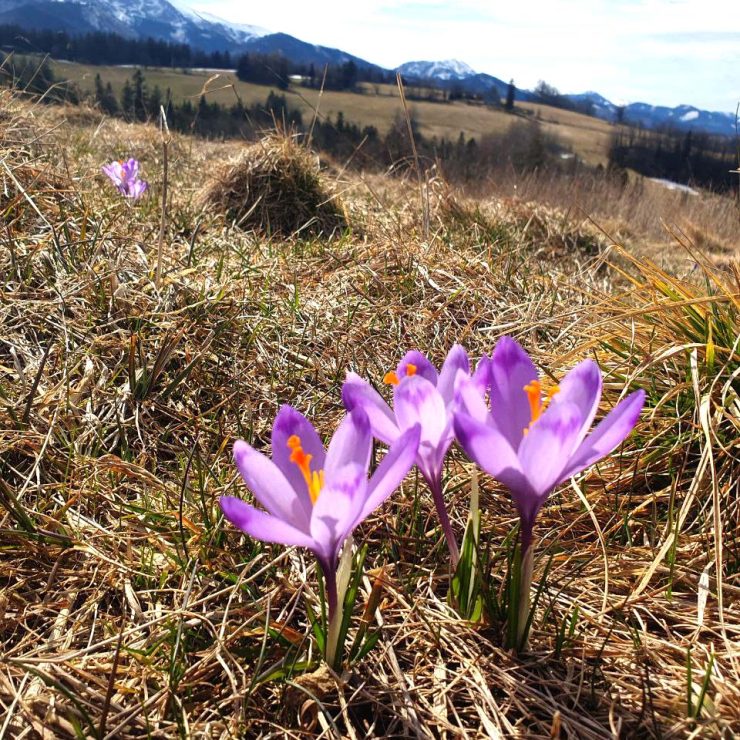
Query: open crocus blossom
422	396
534	439
315	498
125	176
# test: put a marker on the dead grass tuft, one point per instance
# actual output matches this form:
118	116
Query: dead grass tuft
276	189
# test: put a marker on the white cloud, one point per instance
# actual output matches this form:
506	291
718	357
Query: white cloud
662	51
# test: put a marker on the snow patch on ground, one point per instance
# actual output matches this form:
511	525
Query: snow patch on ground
670	185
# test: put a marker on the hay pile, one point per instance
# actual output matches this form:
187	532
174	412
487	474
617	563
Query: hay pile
275	189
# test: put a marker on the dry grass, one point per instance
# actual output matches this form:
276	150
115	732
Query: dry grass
127	608
275	188
641	213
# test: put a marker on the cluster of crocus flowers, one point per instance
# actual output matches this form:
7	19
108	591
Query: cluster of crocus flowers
125	176
529	436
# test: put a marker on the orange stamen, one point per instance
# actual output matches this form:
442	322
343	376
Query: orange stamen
537	405
533	389
391	378
314	479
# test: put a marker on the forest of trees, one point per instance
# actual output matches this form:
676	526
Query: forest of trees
109	48
697	159
550	95
275	69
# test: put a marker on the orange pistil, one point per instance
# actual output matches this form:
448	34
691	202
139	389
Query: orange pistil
537	405
314	479
391	378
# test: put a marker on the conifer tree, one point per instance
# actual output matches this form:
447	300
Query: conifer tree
510	96
127	99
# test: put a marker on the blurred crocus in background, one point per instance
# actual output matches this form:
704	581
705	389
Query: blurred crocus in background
315	498
532	441
125	176
423	396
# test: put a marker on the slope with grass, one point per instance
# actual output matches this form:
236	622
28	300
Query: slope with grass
378	106
129	609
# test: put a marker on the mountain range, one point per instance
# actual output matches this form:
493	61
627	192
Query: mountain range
175	22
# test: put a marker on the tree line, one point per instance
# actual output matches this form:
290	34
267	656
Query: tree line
698	159
109	48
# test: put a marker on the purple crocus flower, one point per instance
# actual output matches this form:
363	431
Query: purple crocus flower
533	441
125	176
421	396
315	498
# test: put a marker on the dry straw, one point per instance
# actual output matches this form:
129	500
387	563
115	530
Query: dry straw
276	189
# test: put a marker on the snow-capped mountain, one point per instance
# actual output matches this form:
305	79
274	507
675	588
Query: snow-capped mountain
684	117
169	21
453	74
450	69
158	19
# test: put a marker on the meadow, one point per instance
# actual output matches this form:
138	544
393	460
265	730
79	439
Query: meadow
377	106
130	608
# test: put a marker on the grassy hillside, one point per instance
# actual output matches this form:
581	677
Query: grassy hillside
129	608
378	106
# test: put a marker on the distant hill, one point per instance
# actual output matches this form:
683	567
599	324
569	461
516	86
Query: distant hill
301	52
455	74
157	19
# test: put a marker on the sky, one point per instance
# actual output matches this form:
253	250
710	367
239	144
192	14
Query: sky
663	52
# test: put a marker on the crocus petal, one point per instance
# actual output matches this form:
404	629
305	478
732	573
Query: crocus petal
469	398
456	361
113	171
546	449
262	526
608	434
391	471
582	387
483	373
138	189
289	422
417	401
131	169
357	392
423	368
110	171
337	509
490	449
271	488
511	370
351	444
